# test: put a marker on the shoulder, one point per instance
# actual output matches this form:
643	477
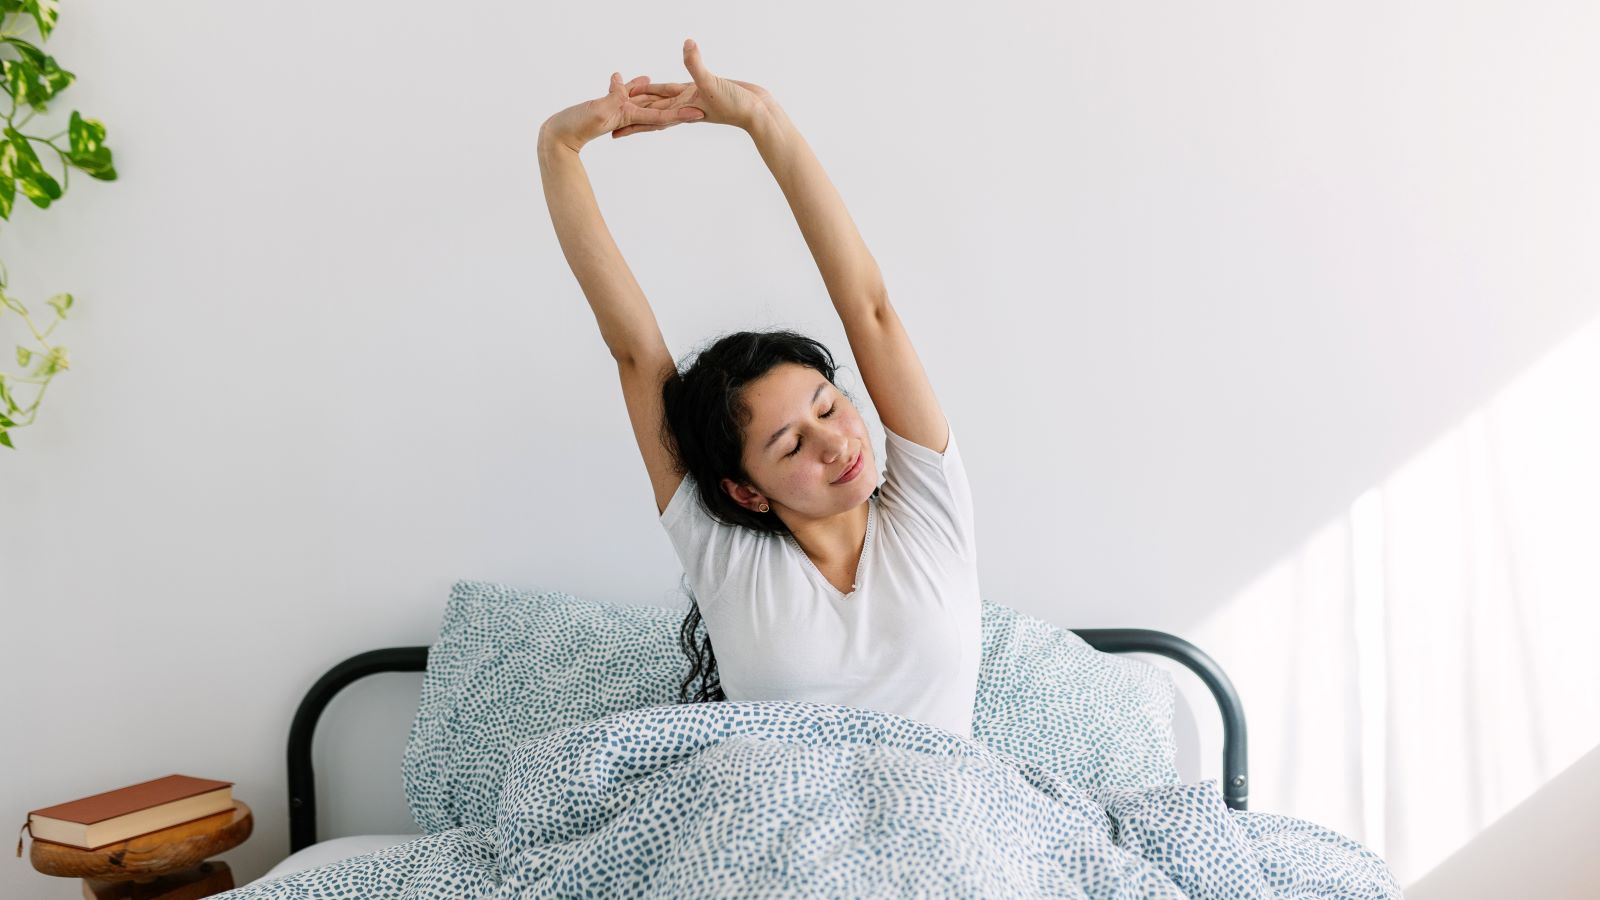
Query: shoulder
927	490
898	444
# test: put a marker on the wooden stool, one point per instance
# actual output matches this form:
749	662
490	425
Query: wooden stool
163	865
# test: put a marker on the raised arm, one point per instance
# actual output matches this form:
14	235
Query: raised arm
848	269
627	324
890	368
893	374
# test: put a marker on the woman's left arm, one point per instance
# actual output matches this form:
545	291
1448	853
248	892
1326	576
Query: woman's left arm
890	368
848	269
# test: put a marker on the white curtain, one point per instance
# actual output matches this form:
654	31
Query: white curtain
1427	660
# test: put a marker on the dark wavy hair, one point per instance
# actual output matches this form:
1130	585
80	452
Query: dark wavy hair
704	414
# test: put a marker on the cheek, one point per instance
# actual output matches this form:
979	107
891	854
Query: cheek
788	476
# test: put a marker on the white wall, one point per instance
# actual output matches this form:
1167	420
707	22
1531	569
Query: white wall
1188	280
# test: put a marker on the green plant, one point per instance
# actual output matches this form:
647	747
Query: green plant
32	78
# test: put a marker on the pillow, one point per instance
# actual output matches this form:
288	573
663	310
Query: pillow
511	665
1101	720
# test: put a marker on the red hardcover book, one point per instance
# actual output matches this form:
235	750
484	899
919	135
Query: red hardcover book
92	822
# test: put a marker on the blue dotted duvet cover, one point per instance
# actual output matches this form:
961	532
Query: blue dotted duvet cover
785	799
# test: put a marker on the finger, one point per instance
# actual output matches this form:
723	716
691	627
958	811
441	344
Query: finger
692	62
626	130
622	89
641	115
660	90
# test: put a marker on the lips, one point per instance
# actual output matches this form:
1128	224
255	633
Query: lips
850	472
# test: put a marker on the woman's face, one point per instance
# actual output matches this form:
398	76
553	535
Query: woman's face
818	435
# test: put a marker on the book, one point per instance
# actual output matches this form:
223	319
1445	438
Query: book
92	822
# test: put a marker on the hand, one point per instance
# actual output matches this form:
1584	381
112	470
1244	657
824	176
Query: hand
724	101
578	125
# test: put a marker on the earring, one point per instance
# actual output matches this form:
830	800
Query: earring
763	507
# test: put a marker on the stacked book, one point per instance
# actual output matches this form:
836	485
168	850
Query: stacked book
92	822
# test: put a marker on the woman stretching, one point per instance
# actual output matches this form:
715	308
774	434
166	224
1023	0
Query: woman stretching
817	582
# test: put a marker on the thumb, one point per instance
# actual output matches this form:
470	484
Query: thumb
691	61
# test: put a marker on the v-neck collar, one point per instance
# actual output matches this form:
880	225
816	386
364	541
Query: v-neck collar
861	564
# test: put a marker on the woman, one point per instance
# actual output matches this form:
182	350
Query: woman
816	582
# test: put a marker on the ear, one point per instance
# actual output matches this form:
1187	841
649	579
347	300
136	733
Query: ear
744	496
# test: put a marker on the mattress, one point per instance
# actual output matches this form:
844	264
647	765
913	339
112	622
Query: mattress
331	851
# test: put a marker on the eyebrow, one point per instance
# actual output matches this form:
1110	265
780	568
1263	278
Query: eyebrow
779	433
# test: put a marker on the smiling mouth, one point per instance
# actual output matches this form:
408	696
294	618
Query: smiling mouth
853	467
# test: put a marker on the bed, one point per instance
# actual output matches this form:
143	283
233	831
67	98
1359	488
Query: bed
539	765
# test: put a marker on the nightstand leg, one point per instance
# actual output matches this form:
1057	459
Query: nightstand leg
211	877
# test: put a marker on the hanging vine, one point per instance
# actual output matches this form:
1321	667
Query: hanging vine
31	79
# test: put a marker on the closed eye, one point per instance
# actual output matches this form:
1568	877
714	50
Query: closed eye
798	440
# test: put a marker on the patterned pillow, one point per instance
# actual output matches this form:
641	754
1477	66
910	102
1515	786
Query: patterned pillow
1099	719
511	664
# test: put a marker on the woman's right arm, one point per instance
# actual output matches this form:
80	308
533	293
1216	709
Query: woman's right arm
626	322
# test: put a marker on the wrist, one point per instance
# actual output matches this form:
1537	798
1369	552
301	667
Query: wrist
550	140
768	121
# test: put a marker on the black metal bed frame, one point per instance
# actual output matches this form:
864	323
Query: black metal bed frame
302	781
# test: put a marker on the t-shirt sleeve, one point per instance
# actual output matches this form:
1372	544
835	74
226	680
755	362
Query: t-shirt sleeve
929	490
705	546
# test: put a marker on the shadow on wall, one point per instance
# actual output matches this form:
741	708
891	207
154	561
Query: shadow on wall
1542	848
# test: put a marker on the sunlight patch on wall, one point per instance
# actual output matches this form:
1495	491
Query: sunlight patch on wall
1425	661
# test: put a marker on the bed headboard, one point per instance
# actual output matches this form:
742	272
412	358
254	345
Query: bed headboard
302	782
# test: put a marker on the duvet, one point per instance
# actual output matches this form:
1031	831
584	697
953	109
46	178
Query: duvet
786	799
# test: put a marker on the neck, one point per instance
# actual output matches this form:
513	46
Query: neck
836	539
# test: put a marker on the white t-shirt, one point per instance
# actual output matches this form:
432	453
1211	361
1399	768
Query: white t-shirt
906	641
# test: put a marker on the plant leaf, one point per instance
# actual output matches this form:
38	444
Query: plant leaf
44	13
86	134
24	355
8	181
97	166
33	84
36	182
61	303
6	439
18	76
29	52
89	152
34	78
